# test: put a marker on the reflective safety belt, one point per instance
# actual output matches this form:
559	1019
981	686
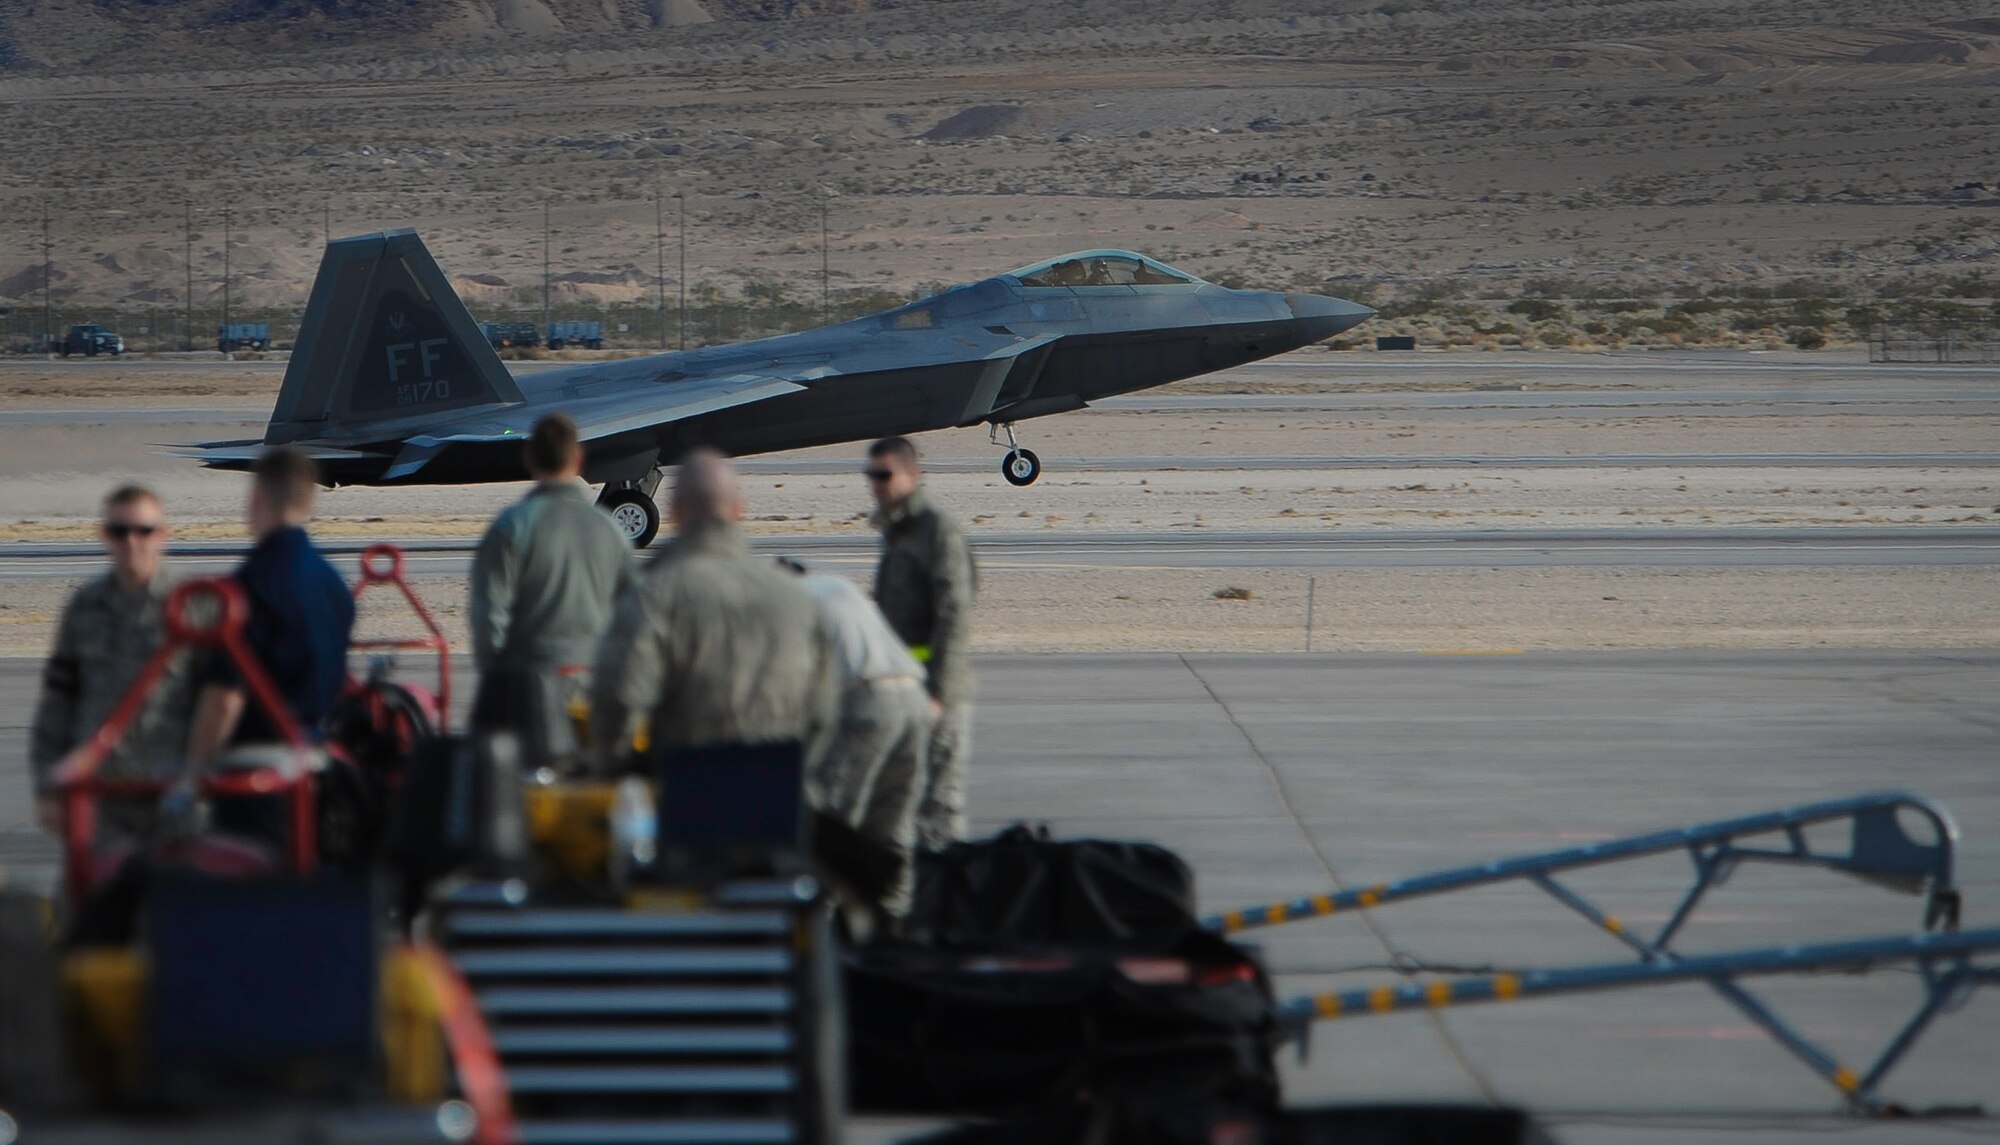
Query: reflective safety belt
921	653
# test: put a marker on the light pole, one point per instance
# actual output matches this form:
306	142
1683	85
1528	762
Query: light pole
187	260
684	267
545	267
48	275
660	259
825	289
225	267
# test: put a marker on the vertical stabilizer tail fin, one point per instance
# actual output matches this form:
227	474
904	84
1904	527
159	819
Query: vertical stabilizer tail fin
384	338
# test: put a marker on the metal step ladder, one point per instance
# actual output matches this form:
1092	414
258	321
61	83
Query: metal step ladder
714	1025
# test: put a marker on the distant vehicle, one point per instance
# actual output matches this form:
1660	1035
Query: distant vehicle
502	335
90	340
589	335
243	336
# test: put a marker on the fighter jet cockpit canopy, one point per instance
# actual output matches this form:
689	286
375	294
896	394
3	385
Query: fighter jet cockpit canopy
1101	268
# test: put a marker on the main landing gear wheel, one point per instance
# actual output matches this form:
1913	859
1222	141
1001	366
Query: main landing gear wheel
1020	467
635	513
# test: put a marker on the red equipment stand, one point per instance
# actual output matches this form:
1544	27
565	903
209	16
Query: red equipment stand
383	564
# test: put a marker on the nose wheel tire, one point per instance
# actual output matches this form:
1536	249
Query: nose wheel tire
1020	467
636	515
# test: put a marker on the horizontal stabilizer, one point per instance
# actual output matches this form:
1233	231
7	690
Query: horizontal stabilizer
241	454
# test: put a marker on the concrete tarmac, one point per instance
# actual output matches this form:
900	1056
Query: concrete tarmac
1453	385
1284	775
1735	547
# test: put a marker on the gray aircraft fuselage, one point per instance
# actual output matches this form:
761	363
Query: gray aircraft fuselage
393	386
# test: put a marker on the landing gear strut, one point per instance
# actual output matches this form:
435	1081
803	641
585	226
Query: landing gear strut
632	507
1020	467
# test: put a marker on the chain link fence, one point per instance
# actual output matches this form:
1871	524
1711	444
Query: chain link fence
1963	342
634	327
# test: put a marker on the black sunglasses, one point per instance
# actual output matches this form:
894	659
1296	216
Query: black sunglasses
878	474
119	532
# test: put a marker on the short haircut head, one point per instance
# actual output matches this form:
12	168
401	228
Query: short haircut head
126	496
705	489
553	445
902	449
288	479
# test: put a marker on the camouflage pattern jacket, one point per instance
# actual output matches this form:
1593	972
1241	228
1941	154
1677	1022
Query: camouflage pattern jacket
925	587
105	637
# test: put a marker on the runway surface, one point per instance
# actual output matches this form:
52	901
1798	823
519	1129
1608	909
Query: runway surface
1656	548
1225	463
1456	403
1280	775
1477	386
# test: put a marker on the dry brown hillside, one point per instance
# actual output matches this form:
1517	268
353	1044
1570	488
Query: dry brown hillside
1386	149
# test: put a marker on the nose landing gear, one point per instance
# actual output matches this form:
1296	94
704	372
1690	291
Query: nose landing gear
1020	467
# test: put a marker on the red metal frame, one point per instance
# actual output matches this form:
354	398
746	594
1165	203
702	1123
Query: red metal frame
480	1076
392	573
77	781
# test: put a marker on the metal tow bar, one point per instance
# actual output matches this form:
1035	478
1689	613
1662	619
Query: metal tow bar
1945	960
1876	849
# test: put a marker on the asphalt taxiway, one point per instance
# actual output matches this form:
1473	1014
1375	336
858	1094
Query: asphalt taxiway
1279	776
1450	386
1736	547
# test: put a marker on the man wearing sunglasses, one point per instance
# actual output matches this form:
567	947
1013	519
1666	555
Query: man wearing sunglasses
109	630
924	587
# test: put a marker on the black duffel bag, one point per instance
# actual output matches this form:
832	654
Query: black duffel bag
1020	886
933	1030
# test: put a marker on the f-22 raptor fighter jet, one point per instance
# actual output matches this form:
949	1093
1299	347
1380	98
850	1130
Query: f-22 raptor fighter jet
390	382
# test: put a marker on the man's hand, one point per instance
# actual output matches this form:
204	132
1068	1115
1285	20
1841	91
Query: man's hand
179	811
937	709
48	814
218	708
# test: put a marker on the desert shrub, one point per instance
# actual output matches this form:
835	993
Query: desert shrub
1807	337
1538	310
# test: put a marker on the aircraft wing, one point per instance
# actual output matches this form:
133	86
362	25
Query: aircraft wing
612	414
238	453
600	417
597	417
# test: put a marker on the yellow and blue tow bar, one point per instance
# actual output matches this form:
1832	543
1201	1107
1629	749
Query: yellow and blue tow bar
1948	974
1878	850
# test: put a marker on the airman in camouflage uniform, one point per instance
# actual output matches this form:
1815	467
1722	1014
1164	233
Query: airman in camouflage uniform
925	586
109	630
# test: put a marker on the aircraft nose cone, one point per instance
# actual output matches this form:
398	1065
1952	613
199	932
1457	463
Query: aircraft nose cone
1328	314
